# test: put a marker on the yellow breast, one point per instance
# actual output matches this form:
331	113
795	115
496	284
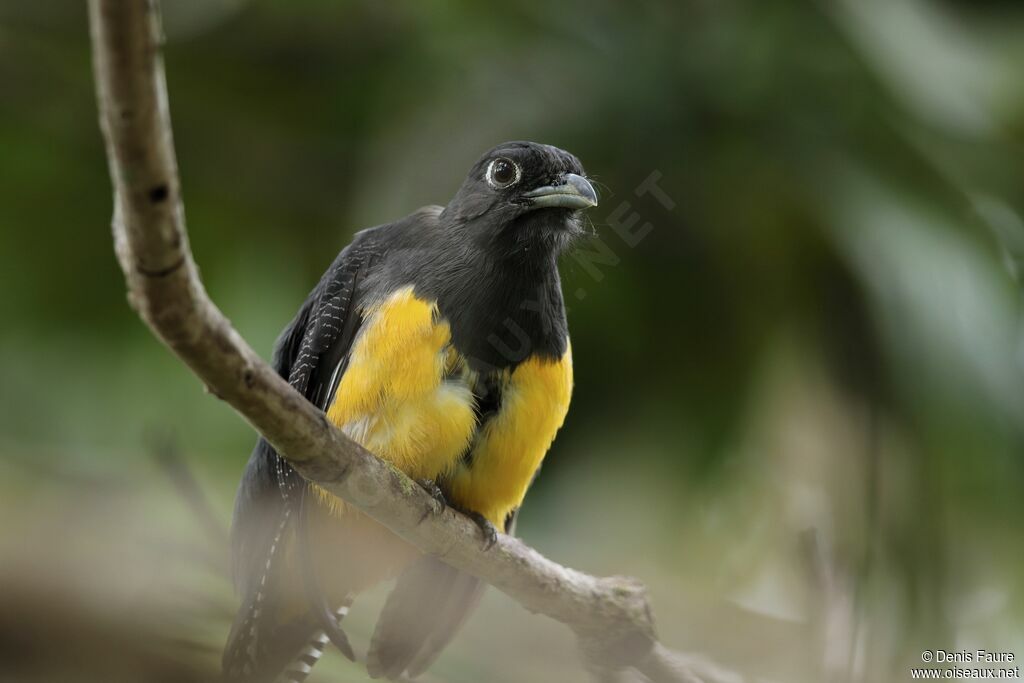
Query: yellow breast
406	395
394	398
511	445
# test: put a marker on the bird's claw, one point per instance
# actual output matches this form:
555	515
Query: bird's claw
440	502
488	530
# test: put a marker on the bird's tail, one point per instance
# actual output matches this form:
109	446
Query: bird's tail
300	667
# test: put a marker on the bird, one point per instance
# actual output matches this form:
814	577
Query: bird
439	342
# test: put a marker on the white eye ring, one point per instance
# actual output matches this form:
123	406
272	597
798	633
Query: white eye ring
509	183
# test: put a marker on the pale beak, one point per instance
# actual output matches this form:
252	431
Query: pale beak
575	192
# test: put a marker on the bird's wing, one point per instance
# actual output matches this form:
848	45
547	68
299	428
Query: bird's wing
310	354
425	610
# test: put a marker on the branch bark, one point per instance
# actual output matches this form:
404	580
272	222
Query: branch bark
610	615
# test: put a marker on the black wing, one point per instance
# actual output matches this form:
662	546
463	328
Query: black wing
425	610
310	354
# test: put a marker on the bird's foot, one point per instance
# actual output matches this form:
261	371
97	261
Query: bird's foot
440	502
489	531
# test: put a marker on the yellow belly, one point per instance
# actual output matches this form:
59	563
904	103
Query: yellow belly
406	396
511	445
394	399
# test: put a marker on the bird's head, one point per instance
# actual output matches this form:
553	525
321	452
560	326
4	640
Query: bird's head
523	195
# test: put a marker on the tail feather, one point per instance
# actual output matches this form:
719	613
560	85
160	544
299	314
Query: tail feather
318	602
422	614
428	605
302	665
466	592
262	638
299	668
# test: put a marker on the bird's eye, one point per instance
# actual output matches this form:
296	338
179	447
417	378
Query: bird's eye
502	173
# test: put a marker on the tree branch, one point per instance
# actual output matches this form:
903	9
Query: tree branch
610	615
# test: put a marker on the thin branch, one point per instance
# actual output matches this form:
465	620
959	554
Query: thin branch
168	456
610	615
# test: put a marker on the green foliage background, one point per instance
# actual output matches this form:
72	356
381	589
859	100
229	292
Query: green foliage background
815	352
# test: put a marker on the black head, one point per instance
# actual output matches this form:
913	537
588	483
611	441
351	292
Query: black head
521	195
